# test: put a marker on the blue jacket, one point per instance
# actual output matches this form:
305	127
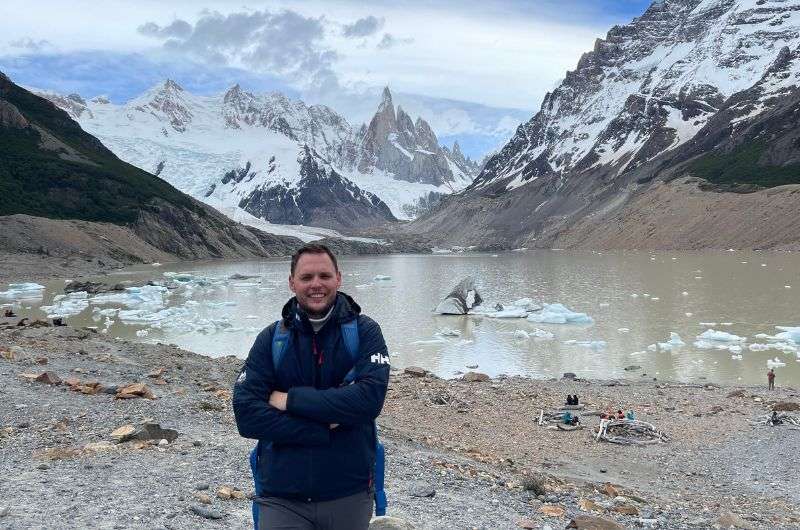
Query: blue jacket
301	456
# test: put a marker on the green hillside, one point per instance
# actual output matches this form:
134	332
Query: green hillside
79	180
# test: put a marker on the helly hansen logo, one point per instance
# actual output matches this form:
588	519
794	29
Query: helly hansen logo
379	358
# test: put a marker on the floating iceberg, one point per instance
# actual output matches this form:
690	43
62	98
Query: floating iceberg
775	363
67	305
674	342
559	314
463	297
22	291
720	336
381	278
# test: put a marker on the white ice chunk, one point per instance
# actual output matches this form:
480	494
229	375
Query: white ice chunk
624	330
559	314
23	291
719	336
447	332
67	305
142	333
775	363
381	278
511	312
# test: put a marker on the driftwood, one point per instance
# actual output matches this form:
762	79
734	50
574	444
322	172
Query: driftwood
630	432
784	418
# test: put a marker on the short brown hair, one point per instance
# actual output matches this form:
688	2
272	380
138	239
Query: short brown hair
313	248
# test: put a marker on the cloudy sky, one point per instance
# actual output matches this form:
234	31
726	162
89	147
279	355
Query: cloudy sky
490	62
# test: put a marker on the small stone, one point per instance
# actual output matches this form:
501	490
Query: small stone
603	470
48	378
5	511
569	375
122	434
41	360
134	391
588	505
163	441
552	510
225	492
156	374
475	377
23	425
43	466
389	523
415	371
422	489
202	497
610	490
786	406
112	389
527	524
206	513
625	509
731	520
591	522
197	443
200	486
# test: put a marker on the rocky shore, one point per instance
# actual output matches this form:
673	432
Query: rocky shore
79	448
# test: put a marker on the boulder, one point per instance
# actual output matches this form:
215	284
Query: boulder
569	375
461	299
475	377
527	524
146	431
592	522
737	393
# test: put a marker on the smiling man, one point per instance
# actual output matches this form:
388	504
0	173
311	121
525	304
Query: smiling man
310	391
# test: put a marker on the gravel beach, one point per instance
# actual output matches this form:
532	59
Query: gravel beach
460	454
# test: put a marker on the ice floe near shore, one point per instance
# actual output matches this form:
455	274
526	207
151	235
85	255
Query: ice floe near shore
23	291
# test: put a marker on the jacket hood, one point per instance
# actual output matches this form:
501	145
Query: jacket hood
344	310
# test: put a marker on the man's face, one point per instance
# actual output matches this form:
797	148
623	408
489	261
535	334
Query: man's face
314	283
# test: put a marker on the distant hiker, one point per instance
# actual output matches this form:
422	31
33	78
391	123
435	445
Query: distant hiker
629	416
771	379
567	418
575	400
570	402
311	403
620	415
8	313
774	419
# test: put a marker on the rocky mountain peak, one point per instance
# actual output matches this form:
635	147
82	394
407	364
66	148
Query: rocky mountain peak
171	86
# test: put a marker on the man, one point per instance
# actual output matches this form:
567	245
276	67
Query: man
771	379
317	438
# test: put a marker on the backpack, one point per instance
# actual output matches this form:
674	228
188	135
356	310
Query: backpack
280	339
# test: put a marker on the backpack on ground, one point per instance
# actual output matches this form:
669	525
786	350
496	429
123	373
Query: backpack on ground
280	340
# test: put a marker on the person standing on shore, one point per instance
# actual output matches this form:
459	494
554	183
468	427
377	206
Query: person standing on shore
317	441
771	379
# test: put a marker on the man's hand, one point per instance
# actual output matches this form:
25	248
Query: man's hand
278	400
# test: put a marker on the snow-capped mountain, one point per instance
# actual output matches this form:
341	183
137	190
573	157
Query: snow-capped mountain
280	160
652	97
410	150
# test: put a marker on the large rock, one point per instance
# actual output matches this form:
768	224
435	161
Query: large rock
461	299
731	520
134	391
146	431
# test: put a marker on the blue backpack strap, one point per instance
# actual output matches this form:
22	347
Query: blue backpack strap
254	454
351	343
280	339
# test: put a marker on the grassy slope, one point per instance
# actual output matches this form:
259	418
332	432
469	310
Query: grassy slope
740	168
38	182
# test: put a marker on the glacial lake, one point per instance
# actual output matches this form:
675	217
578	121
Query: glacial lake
635	299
